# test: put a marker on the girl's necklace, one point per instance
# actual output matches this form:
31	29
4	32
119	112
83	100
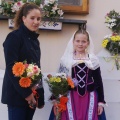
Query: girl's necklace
80	58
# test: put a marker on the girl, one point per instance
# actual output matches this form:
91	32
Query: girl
86	100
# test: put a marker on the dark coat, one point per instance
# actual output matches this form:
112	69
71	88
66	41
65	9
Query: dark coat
19	45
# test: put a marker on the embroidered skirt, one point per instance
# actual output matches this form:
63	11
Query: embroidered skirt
81	108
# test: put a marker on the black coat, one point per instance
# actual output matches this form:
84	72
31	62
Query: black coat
19	45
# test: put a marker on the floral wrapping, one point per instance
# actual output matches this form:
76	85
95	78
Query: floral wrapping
30	76
59	86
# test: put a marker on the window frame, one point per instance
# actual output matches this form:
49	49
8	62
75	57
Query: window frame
82	9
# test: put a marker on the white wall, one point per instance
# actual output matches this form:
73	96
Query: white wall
53	43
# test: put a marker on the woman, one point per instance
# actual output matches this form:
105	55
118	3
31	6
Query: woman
20	45
86	100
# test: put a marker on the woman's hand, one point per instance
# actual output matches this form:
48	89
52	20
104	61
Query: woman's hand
40	107
100	110
31	99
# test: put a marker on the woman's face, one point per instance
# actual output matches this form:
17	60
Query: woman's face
80	42
32	20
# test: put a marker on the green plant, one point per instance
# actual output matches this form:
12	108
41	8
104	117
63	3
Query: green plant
10	8
51	9
112	20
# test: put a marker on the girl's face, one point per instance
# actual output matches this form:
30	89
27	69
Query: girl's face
80	42
32	20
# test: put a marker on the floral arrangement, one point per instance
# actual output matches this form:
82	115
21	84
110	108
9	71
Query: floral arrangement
9	8
112	44
59	86
112	20
51	9
29	74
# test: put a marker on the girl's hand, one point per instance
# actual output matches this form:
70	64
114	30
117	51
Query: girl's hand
54	102
100	110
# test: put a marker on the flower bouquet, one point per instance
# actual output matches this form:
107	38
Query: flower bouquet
59	85
30	76
112	20
112	44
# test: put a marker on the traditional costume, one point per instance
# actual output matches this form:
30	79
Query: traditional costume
88	92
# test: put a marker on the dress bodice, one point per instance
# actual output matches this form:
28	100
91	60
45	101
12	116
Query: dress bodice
80	74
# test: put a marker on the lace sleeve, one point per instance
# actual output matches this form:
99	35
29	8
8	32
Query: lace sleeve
63	69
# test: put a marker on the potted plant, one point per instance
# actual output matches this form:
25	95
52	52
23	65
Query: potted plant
112	42
50	11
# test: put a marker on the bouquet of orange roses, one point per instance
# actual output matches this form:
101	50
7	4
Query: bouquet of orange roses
30	76
59	85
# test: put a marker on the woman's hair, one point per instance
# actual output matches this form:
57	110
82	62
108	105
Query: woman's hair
82	31
24	11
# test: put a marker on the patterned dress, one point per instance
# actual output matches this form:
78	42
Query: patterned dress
82	105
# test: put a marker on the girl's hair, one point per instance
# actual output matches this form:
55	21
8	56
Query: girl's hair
82	31
24	11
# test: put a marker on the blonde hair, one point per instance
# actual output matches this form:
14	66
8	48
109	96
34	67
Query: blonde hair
82	31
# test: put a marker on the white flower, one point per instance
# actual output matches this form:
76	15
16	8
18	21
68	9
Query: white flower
17	6
113	24
119	43
108	36
51	1
110	26
30	74
58	74
112	20
62	75
60	95
60	12
30	68
46	2
51	9
41	6
54	8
